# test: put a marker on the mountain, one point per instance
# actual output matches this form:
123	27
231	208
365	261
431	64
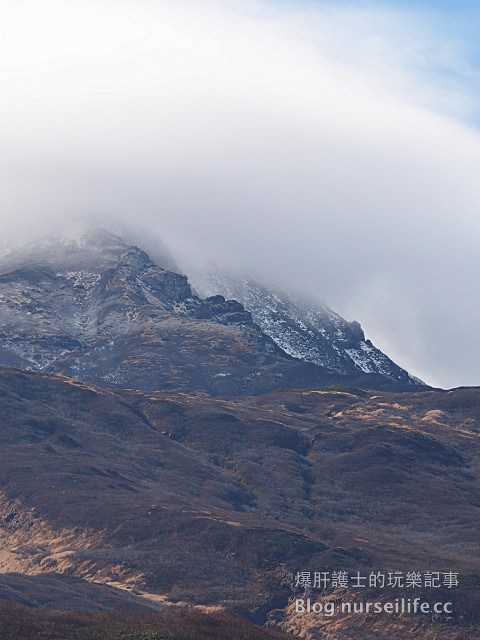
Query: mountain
100	310
185	498
164	459
302	328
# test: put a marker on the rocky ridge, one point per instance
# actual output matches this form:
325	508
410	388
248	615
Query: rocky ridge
304	329
101	310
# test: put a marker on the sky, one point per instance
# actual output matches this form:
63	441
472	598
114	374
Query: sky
329	148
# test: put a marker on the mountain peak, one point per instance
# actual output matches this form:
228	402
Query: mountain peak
92	306
89	248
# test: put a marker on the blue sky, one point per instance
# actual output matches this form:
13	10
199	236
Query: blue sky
440	43
435	5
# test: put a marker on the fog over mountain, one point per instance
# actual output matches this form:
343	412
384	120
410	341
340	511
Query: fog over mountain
312	148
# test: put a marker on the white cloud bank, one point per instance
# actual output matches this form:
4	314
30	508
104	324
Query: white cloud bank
300	144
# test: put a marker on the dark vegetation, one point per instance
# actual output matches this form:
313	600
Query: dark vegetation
212	501
23	623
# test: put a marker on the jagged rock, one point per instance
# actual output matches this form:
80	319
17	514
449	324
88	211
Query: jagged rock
100	310
304	329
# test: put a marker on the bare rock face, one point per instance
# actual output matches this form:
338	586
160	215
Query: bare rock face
100	310
304	329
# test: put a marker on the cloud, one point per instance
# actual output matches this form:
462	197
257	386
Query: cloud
301	144
427	55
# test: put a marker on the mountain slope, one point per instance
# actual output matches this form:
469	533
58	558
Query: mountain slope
219	502
175	623
304	329
186	458
100	310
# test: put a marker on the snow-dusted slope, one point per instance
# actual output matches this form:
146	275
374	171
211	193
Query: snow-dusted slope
303	329
100	310
96	308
